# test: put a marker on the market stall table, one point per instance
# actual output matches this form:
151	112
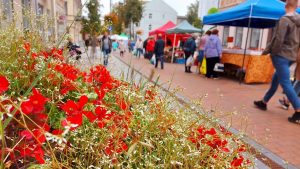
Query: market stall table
258	68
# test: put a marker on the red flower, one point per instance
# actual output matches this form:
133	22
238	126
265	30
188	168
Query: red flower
123	105
35	104
37	134
57	132
115	146
27	47
237	162
212	132
4	84
74	111
90	115
242	148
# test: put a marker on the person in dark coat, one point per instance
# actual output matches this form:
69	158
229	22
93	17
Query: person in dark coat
145	48
189	48
159	51
106	47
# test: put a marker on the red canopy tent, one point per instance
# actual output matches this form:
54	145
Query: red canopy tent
168	37
163	29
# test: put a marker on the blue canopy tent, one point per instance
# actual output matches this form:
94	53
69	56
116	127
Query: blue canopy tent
250	14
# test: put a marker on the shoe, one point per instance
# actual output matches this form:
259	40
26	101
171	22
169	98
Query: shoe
261	105
295	118
283	104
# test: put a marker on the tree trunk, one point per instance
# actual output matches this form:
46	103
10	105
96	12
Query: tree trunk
94	45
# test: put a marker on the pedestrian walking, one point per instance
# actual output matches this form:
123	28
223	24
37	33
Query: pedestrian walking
189	49
284	48
159	51
145	46
285	103
150	47
201	47
139	47
213	53
106	47
122	48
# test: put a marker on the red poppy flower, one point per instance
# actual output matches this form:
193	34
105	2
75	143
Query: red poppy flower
57	132
27	47
38	101
237	162
123	105
90	115
73	108
101	112
35	104
26	107
212	132
26	134
4	84
39	135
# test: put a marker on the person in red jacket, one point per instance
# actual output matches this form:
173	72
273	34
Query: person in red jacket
150	47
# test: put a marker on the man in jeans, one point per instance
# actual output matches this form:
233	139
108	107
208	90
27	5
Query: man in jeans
106	47
284	48
159	51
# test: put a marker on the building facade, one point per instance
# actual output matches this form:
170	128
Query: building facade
156	14
204	7
51	17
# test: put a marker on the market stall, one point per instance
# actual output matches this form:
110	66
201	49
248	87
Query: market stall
182	28
250	14
168	38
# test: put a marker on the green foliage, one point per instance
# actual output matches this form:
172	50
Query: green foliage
192	15
133	11
119	10
212	11
92	24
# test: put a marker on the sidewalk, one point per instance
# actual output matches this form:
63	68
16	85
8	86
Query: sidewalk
233	103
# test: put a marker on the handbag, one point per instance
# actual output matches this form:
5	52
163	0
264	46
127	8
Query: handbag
153	60
203	67
219	67
190	61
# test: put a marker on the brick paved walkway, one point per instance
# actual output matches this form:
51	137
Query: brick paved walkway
234	104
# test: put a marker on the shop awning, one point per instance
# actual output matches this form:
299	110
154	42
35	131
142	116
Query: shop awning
251	13
184	27
163	29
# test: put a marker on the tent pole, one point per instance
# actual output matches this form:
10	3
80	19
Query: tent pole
245	50
173	51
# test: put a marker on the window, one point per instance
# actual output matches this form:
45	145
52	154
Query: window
150	27
225	35
238	37
255	38
150	15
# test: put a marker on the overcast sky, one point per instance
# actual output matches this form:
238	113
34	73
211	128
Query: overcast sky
179	5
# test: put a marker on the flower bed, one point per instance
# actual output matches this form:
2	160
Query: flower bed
55	116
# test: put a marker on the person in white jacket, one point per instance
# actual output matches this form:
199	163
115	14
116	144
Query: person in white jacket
139	47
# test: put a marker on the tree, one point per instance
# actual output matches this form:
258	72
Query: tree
120	13
192	15
133	12
92	24
212	11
